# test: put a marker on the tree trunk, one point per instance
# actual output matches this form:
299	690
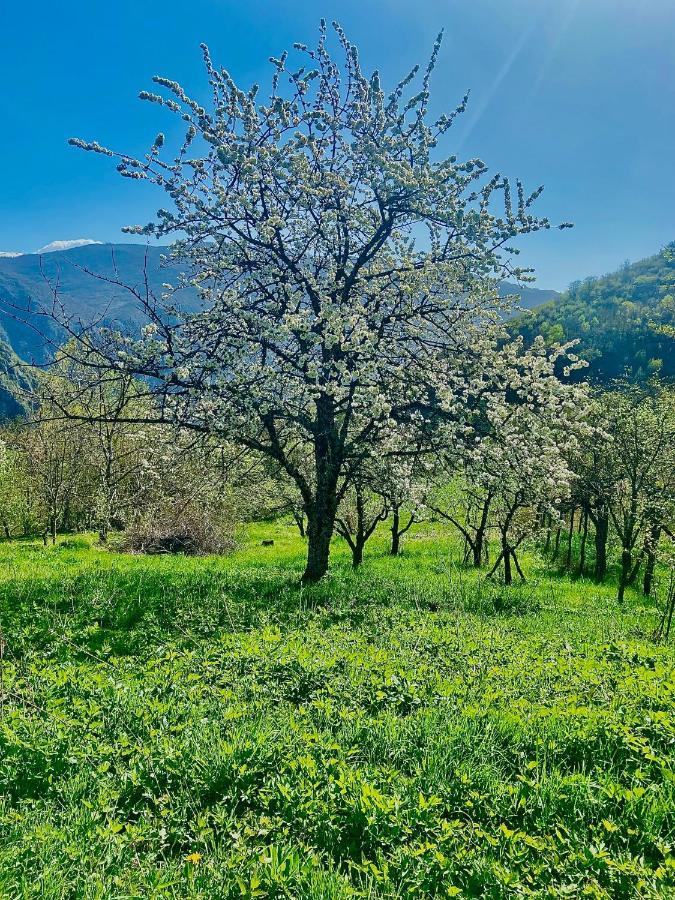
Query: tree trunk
648	580
663	631
582	544
479	539
601	533
556	548
398	530
395	532
477	551
319	534
628	536
669	614
625	573
323	508
637	565
320	525
654	535
568	555
547	545
506	556
299	518
517	565
357	553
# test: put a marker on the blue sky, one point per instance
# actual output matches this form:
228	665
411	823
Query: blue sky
576	94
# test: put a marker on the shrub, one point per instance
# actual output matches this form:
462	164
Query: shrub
75	543
189	529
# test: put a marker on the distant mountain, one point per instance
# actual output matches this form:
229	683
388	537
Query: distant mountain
530	297
31	278
624	321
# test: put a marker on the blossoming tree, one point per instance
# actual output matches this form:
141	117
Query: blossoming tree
347	268
515	467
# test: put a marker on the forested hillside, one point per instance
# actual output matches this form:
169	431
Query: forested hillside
624	321
13	381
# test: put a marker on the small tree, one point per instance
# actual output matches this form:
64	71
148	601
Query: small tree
667	606
464	502
594	481
359	514
54	457
10	489
515	468
404	485
189	499
400	476
21	507
107	409
642	460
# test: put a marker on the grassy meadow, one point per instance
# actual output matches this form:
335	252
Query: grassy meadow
183	728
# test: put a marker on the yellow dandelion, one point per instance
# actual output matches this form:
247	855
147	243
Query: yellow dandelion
194	858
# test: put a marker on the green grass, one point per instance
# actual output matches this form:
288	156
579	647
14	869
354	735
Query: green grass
180	728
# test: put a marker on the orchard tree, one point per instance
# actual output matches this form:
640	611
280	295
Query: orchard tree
20	507
402	479
642	459
594	483
10	491
347	268
522	462
514	469
116	451
391	484
465	503
54	455
189	501
667	559
360	512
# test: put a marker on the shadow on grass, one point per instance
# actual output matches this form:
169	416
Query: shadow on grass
77	598
61	599
132	611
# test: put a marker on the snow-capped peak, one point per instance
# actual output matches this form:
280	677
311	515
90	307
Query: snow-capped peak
66	245
9	254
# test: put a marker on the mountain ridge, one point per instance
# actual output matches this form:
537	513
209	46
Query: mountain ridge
85	277
620	320
30	277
